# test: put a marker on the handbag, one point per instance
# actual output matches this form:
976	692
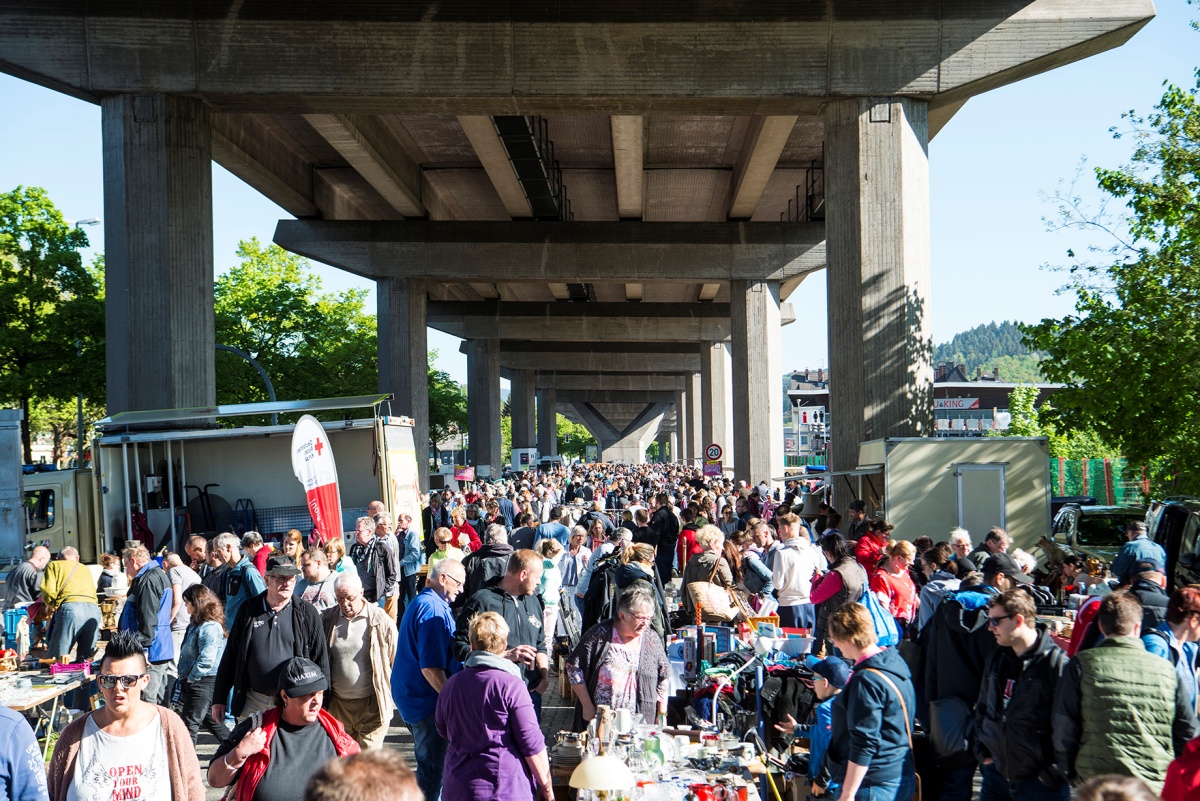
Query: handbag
717	604
887	633
916	796
951	726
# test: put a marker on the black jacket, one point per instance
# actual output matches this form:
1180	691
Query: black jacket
375	565
523	616
1154	603
232	672
665	526
486	565
431	521
1019	735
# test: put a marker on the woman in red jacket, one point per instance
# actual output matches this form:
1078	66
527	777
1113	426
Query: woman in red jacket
893	584
279	746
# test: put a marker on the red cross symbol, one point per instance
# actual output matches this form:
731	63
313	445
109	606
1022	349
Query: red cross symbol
319	446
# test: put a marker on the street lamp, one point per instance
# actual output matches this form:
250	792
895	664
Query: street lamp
79	395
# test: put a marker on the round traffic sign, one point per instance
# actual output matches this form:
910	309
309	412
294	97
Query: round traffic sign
713	452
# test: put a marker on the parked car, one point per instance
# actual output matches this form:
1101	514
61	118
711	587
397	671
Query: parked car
1174	523
1097	531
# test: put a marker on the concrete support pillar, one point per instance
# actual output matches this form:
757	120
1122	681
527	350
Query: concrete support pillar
672	445
401	305
695	449
678	454
158	250
483	403
713	366
881	351
662	447
520	404
757	387
628	444
547	422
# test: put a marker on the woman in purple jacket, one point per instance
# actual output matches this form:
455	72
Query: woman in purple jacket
505	757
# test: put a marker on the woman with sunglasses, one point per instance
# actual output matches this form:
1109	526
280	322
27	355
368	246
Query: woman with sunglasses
128	748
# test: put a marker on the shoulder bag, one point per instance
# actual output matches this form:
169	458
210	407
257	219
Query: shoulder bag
916	796
715	601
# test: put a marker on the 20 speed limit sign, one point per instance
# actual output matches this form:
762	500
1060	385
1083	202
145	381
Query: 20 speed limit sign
713	452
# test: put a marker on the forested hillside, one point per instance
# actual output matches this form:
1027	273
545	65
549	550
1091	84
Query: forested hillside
988	346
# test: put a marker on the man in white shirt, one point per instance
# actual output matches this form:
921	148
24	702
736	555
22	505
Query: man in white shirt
792	571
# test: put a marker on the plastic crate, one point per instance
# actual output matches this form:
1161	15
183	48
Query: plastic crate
12	617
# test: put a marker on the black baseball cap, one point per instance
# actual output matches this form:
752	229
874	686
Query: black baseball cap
1003	563
1149	565
280	565
301	676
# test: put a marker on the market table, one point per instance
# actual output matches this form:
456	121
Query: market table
35	699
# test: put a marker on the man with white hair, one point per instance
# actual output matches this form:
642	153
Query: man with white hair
960	544
67	589
362	647
242	579
489	562
423	664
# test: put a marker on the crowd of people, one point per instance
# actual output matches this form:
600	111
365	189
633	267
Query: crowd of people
930	667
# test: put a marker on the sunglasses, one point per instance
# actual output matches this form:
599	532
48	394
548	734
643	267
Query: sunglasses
996	621
127	682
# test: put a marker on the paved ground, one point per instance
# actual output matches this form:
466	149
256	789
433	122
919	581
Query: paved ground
556	715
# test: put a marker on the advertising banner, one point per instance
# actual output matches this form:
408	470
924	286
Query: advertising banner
312	462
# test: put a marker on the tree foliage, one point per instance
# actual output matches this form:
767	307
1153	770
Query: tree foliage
573	438
312	344
447	405
1130	351
51	307
991	345
1030	421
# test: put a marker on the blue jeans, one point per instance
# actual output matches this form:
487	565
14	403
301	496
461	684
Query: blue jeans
958	784
996	788
75	624
429	751
900	790
801	616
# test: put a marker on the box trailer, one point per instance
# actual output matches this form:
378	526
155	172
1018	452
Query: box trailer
927	486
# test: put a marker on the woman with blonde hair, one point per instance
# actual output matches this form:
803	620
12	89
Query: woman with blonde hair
707	566
335	549
893	584
292	546
443	540
494	745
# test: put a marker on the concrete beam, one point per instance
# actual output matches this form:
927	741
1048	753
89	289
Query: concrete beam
764	144
595	396
547	422
158	238
627	444
481	132
403	361
248	148
366	145
879	276
608	381
611	322
521	407
483	403
587	57
591	362
628	138
554	252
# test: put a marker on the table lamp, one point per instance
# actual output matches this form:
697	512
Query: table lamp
602	774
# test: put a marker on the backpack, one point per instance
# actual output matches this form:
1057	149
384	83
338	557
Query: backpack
600	601
1172	653
887	634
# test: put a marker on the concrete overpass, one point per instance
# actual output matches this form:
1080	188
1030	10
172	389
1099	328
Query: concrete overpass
598	152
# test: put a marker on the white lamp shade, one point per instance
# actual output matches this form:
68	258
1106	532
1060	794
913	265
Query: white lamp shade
602	772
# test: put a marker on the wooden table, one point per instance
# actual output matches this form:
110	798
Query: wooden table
40	695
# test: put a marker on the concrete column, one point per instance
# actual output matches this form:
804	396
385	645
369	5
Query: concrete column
627	444
520	404
695	450
677	453
401	305
713	365
662	447
672	445
881	351
757	388
158	250
483	403
547	422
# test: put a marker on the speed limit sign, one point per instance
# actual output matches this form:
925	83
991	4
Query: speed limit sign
713	452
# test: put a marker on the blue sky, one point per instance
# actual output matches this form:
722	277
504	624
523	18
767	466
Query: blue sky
990	170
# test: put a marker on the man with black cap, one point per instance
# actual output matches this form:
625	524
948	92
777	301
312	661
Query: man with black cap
1002	573
269	630
1149	585
273	753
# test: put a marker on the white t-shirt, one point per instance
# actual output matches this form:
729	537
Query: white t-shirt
110	768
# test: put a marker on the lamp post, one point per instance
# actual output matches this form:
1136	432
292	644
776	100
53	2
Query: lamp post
79	395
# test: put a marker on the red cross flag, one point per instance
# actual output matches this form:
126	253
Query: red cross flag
312	461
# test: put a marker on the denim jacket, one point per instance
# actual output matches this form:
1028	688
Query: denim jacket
201	651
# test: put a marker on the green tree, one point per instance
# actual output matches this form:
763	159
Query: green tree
51	308
312	344
573	438
60	419
1129	352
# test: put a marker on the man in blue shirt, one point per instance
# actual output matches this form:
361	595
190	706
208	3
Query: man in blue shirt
1175	639
242	579
554	529
1139	548
423	663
